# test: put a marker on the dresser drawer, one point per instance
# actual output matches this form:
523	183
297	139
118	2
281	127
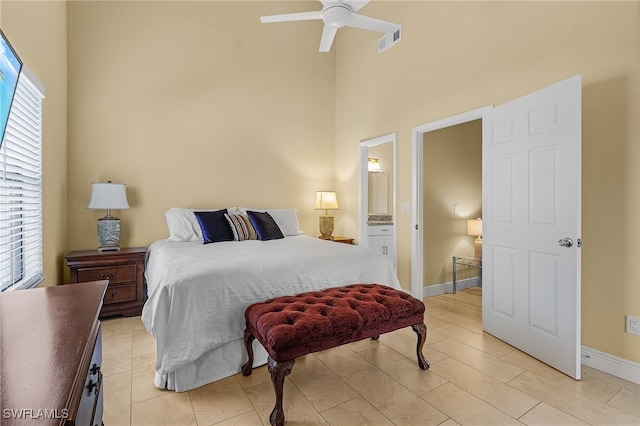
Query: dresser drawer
115	274
91	402
120	293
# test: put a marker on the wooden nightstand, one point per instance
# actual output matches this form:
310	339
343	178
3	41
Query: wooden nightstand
343	240
123	268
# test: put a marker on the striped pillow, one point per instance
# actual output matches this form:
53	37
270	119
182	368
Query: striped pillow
241	227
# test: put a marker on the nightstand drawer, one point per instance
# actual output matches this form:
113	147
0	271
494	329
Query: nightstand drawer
115	274
120	293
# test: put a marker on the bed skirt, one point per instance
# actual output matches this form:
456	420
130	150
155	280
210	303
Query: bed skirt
216	364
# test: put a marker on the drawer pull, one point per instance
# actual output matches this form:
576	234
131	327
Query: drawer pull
111	275
113	293
94	369
93	385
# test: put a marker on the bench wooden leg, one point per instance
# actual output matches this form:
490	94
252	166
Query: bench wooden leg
248	340
421	331
278	372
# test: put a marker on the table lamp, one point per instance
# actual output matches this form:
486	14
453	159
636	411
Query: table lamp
108	196
474	228
326	200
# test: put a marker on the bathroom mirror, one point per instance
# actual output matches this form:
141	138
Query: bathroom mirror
380	176
378	193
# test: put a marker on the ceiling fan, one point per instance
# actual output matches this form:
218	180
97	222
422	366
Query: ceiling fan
336	14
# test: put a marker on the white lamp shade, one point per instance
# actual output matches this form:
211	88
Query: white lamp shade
474	227
326	200
108	196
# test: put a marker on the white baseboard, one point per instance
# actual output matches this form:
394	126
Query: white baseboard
444	288
611	364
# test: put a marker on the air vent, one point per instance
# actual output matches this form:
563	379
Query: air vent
388	40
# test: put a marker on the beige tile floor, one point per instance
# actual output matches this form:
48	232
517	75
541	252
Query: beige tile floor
475	379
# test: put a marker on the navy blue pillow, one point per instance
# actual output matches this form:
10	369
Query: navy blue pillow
214	225
265	226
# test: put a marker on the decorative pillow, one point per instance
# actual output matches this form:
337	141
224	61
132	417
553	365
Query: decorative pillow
265	226
252	232
183	225
241	227
286	219
214	226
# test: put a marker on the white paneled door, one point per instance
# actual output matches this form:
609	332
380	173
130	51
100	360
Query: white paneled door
531	189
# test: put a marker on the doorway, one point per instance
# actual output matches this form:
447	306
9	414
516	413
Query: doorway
417	237
531	190
452	169
377	195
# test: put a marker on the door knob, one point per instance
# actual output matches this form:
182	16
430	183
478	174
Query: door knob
565	242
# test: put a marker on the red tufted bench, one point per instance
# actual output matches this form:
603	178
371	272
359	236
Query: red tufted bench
292	326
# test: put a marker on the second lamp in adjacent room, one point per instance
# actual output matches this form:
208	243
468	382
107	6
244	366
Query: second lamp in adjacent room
474	228
326	200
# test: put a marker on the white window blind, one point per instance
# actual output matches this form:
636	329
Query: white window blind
21	188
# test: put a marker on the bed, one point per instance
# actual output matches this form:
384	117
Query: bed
197	293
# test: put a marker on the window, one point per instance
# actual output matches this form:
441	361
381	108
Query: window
21	188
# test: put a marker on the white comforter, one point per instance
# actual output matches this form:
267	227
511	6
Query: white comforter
198	292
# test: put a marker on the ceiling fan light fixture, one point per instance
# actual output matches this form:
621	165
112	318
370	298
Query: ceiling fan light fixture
336	16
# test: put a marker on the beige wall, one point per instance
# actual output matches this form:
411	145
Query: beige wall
458	56
195	104
452	174
37	30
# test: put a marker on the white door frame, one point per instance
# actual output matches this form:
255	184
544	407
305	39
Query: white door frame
363	196
417	152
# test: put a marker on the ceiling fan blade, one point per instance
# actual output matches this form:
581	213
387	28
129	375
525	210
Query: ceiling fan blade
356	5
373	24
289	17
328	34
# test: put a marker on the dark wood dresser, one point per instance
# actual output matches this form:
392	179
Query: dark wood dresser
51	355
123	268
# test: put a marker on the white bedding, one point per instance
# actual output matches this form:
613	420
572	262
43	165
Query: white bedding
198	292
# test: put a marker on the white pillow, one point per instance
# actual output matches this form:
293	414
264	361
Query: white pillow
183	225
286	219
